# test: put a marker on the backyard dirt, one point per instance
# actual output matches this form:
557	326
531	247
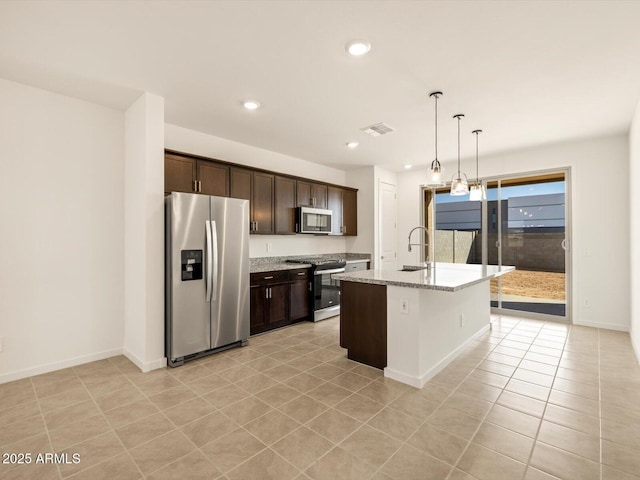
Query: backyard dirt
532	284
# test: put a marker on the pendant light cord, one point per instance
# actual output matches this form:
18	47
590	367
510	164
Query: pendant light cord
436	127
458	147
477	132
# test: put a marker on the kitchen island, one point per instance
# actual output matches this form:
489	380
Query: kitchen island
413	323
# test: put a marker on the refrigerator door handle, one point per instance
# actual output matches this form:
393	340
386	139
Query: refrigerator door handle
209	263
214	273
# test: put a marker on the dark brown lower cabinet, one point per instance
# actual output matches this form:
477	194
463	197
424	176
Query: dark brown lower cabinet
278	299
363	322
299	306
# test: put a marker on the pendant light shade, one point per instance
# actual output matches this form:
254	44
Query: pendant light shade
435	178
478	192
459	182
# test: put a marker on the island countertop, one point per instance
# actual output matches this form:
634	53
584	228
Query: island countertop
449	277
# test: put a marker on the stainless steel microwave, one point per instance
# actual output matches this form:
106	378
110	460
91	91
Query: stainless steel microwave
313	220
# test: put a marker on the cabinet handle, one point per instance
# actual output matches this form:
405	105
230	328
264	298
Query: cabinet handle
195	186
302	273
344	229
266	292
200	186
297	230
268	278
256	226
269	292
310	286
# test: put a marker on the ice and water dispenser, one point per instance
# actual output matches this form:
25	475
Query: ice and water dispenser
191	264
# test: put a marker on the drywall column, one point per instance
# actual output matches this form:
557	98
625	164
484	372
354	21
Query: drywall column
634	229
144	233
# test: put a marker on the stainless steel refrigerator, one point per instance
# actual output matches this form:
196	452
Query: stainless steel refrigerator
206	275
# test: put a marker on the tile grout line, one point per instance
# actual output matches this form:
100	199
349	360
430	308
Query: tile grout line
495	401
46	429
426	420
546	403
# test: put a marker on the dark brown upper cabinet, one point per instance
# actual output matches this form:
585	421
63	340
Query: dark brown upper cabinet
350	212
213	178
273	196
190	175
311	194
179	174
258	188
344	207
285	205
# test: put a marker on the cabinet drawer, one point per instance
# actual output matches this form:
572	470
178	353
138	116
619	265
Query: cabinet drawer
299	274
354	267
269	277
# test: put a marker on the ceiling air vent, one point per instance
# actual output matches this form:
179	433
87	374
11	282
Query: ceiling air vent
378	129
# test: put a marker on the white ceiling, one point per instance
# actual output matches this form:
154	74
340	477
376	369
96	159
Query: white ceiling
525	72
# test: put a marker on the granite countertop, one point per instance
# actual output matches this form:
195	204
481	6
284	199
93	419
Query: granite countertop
448	277
272	264
272	267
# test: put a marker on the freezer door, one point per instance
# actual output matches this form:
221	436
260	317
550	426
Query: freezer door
230	271
188	312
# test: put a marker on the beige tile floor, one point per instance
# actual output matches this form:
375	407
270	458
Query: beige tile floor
529	400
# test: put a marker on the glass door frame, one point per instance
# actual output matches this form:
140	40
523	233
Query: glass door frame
566	171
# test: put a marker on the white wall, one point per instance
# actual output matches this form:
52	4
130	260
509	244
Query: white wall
190	141
600	219
144	233
634	215
61	249
363	180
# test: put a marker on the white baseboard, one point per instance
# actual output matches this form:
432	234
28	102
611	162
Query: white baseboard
401	377
605	326
421	381
636	350
51	367
145	366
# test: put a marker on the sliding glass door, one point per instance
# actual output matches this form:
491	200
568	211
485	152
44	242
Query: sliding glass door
529	231
522	223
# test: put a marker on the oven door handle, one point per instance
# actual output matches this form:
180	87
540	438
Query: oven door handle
333	270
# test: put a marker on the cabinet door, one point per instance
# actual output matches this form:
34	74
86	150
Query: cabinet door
285	205
179	173
299	300
303	197
241	181
258	308
334	197
278	303
262	200
350	212
319	195
214	178
311	194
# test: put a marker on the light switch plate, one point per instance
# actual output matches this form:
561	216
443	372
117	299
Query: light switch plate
404	306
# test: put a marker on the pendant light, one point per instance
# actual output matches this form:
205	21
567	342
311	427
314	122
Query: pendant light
459	183
477	192
436	170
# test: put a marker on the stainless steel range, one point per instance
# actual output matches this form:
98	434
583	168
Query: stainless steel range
325	290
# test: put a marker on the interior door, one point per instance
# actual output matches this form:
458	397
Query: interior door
387	226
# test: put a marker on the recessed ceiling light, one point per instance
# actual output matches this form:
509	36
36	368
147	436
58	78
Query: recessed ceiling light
352	144
408	166
357	48
251	104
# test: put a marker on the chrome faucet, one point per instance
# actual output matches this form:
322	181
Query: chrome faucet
426	231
